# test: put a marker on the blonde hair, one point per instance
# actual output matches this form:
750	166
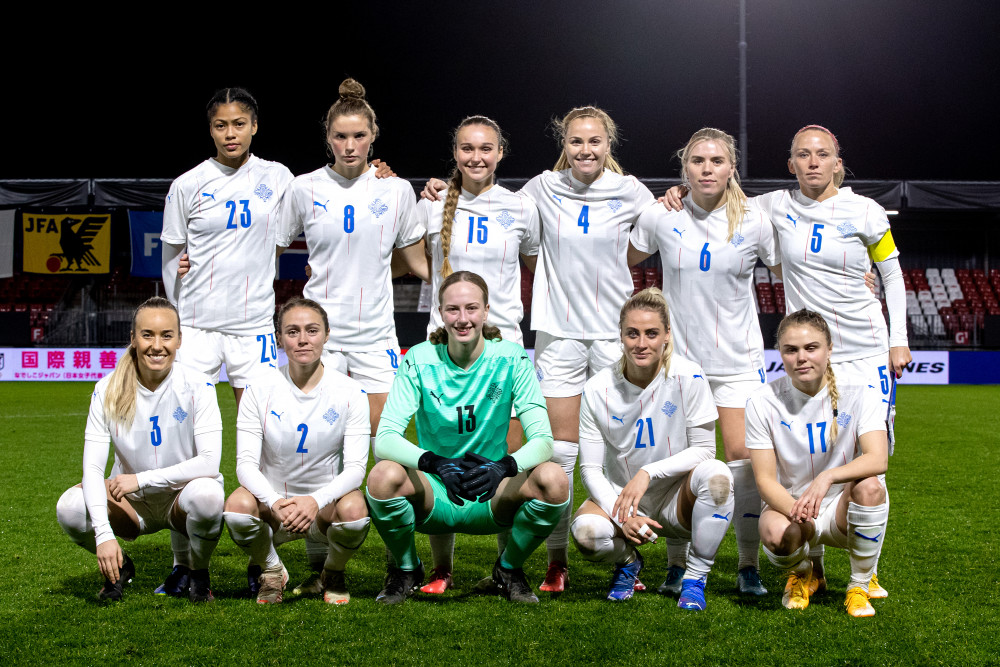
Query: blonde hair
561	128
440	335
650	299
352	102
838	177
119	397
455	187
811	318
736	199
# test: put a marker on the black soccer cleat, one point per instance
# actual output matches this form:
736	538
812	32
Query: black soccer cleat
400	584
200	589
512	584
177	582
253	577
113	591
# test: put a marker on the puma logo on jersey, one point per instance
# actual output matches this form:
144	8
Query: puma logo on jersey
436	398
210	195
865	537
794	220
558	199
699	376
323	205
618	419
788	424
277	415
680	232
719	516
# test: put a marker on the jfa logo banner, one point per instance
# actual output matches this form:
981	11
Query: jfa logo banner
72	243
145	228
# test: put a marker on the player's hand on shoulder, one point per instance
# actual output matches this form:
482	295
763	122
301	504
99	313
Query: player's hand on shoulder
431	190
382	169
672	198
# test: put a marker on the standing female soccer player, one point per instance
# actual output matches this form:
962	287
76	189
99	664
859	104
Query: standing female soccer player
224	213
484	228
461	385
164	425
818	445
709	250
352	221
587	207
647	456
302	452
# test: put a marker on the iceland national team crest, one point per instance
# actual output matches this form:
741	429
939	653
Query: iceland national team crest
505	219
331	416
614	204
538	374
843	419
378	208
668	409
180	415
846	229
494	392
264	192
738	239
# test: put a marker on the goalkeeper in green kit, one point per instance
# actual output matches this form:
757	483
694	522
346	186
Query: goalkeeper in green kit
461	385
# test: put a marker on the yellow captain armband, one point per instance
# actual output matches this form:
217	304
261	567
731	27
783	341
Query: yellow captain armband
883	249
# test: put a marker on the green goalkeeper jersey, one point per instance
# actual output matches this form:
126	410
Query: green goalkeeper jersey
464	410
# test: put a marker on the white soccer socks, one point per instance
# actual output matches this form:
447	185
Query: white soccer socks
865	530
202	500
71	513
746	513
564	453
253	535
712	483
345	539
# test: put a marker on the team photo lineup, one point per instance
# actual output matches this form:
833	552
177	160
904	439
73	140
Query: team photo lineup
626	389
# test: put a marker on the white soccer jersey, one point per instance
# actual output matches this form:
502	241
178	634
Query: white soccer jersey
351	227
797	427
293	444
489	233
708	282
582	277
824	257
625	428
174	438
227	219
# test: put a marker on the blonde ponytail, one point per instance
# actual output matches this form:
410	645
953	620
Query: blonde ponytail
448	219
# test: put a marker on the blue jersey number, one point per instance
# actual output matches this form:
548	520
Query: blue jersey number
469	421
584	220
639	444
155	435
393	358
705	262
883	379
821	427
244	214
265	348
816	242
477	225
348	218
302	441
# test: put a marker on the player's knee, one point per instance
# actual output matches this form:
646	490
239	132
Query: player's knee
241	501
592	535
386	480
71	513
868	491
712	482
552	483
351	508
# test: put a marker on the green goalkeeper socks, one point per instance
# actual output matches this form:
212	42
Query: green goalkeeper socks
394	520
533	522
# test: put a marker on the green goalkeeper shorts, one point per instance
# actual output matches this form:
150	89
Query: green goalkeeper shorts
473	518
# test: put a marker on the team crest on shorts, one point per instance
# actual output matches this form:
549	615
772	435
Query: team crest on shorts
378	208
538	374
331	416
843	419
614	204
846	229
505	219
738	239
180	415
668	409
264	192
494	392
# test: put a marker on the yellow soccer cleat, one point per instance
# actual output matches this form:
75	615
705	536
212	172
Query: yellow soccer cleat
857	603
875	590
797	591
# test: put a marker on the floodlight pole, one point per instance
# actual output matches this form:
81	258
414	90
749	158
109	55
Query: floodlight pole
743	91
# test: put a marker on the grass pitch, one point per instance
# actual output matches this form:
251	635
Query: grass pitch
939	565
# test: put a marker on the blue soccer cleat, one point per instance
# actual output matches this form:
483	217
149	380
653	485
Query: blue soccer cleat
672	584
623	580
749	581
692	595
177	582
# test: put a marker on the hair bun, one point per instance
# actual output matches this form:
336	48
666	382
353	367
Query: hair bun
351	89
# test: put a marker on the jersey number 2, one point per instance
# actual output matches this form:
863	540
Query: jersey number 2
302	441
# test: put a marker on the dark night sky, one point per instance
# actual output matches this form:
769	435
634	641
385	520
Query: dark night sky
907	86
